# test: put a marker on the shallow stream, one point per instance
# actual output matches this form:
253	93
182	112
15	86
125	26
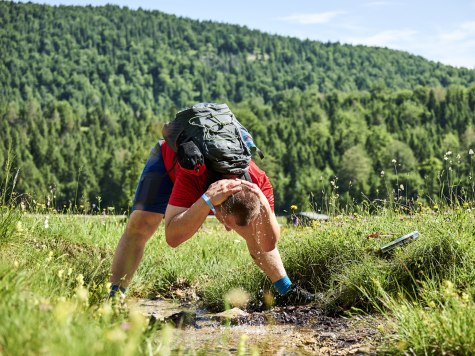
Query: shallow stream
300	330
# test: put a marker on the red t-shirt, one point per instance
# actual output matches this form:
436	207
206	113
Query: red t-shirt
188	188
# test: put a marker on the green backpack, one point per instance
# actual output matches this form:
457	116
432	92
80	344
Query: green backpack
209	134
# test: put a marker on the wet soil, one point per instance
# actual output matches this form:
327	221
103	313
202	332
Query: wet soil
302	330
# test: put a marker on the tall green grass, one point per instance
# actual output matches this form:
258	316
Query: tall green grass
9	210
60	270
46	309
440	321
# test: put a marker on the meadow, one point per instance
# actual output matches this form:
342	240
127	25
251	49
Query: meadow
382	141
54	270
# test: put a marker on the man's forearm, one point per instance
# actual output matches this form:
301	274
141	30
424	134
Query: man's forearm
183	225
271	230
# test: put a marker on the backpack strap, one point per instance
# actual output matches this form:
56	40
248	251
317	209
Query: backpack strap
215	176
212	177
246	176
175	160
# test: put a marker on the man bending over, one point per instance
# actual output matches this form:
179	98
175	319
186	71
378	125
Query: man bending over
166	190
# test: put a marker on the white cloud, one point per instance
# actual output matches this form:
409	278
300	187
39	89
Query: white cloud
462	32
459	55
456	46
311	18
390	38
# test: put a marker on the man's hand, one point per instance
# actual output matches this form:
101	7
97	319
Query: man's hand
256	190
219	191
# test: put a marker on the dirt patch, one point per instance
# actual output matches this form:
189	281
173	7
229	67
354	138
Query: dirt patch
301	330
313	331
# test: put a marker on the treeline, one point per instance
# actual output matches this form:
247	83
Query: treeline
84	92
416	143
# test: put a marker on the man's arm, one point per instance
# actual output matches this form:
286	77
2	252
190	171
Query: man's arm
270	229
182	223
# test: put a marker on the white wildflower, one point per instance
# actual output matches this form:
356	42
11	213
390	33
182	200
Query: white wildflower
470	152
394	161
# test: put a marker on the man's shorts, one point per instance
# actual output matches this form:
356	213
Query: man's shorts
155	186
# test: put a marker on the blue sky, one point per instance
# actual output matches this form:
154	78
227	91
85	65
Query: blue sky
438	30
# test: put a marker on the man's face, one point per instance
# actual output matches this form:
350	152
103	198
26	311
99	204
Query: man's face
229	222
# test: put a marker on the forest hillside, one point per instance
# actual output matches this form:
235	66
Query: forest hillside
84	92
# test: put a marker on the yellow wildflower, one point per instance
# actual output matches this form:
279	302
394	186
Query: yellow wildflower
80	279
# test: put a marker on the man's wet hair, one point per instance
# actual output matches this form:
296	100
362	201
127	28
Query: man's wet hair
243	205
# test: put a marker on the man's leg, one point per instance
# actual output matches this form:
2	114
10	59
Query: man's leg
141	226
271	264
150	202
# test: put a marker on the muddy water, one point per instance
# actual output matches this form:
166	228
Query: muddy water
279	331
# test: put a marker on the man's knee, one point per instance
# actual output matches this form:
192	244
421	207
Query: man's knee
142	225
139	233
